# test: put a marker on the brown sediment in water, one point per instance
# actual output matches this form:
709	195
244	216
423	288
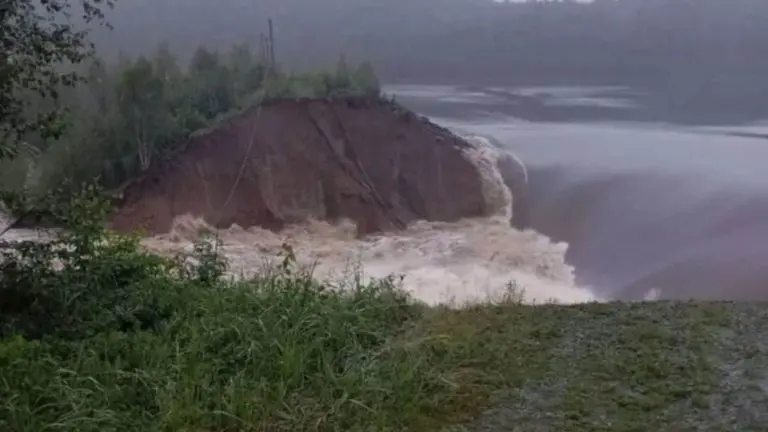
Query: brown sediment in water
358	188
354	186
469	261
366	160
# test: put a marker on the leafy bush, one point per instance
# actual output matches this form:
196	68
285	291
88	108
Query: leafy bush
205	265
96	334
83	282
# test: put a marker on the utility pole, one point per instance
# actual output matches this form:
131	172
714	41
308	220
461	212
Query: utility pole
271	46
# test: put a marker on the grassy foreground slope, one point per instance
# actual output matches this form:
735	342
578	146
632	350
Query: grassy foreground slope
118	339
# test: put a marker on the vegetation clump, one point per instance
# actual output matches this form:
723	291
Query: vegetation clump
98	334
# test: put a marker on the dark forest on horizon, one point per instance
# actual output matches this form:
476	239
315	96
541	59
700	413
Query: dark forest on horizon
657	43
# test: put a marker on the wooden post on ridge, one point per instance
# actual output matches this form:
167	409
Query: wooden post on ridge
271	46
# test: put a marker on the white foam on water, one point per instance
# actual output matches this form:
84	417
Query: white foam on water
470	261
15	235
496	194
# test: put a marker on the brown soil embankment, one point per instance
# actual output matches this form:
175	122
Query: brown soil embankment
367	160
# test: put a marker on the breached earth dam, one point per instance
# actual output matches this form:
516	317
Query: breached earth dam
617	207
359	190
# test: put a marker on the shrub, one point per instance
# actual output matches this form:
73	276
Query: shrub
96	334
85	281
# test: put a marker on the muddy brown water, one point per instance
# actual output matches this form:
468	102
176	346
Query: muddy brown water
636	208
469	261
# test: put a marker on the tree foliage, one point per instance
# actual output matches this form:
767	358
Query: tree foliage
122	118
128	116
39	43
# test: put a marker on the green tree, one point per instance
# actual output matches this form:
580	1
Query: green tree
166	66
366	80
142	105
240	59
204	61
99	83
210	87
39	43
343	79
248	73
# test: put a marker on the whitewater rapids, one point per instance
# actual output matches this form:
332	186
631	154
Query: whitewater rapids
471	261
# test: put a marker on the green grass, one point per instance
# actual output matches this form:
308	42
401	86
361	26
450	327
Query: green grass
616	367
116	339
274	353
283	354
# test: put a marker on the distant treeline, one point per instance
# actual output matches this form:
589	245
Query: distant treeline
638	42
126	116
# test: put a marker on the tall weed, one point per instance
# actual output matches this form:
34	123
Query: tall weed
99	335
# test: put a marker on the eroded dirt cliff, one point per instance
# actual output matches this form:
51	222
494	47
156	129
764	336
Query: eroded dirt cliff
367	160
